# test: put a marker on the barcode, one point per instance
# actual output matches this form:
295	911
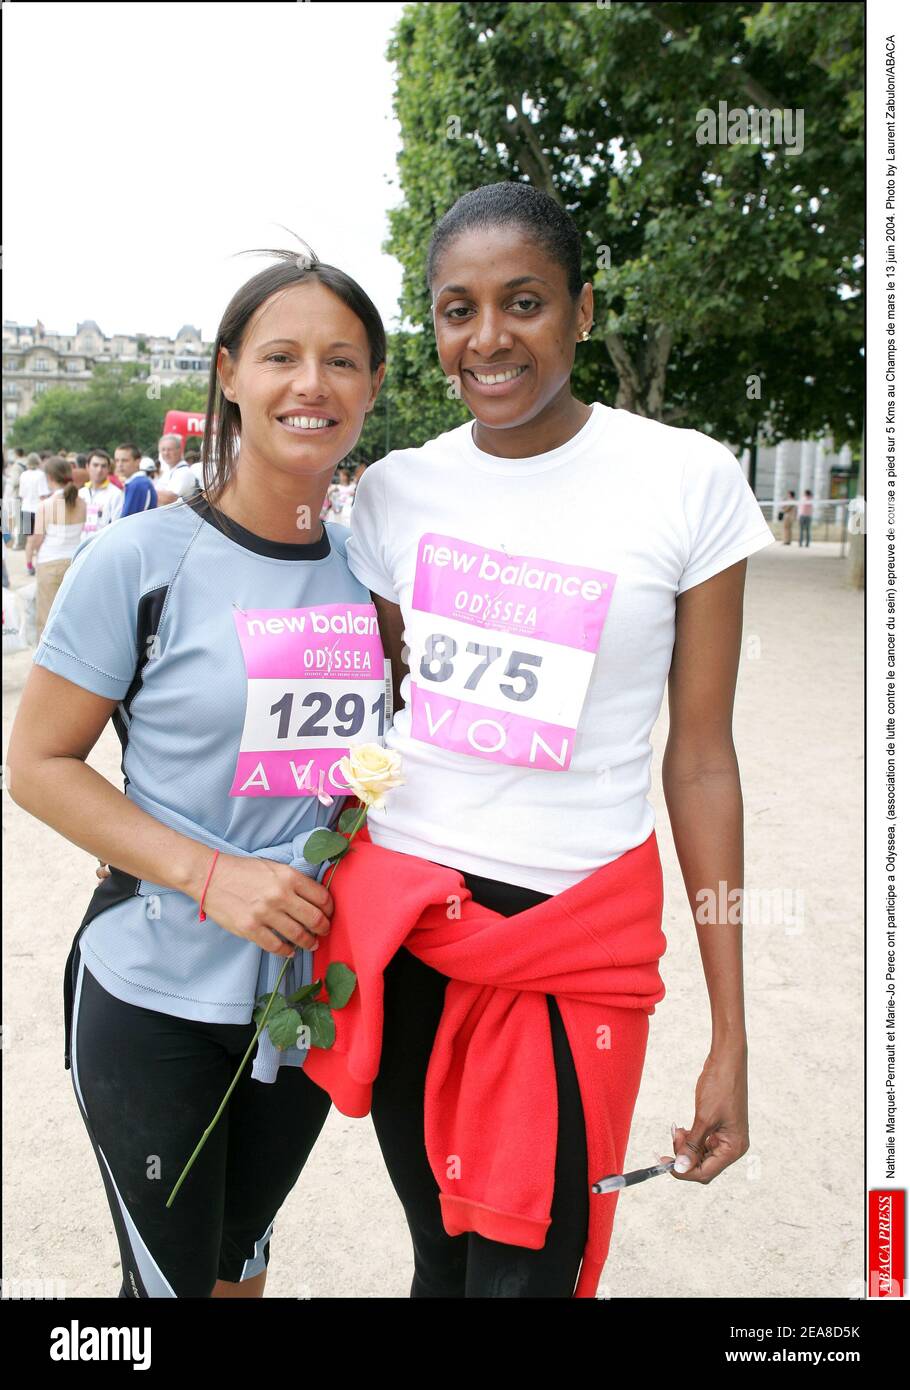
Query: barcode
388	693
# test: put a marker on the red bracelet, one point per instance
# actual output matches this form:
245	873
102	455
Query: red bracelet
202	916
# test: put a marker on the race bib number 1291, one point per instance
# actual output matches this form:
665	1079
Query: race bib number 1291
315	687
501	651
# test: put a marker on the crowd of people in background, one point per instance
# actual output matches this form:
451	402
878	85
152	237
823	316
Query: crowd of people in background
53	501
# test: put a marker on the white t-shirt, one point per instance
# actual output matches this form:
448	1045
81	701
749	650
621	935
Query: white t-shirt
102	506
181	480
33	485
539	639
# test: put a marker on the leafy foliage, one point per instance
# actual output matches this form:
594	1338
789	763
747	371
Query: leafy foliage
115	407
712	263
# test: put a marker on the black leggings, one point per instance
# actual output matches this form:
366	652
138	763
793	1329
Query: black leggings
470	1265
147	1085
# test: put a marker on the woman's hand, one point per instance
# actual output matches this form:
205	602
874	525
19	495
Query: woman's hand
254	898
720	1131
272	904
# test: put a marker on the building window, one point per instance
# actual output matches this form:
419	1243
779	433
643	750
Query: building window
40	364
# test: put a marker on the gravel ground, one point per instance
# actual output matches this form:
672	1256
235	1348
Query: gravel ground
799	739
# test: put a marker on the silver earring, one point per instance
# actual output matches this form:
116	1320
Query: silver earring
585	336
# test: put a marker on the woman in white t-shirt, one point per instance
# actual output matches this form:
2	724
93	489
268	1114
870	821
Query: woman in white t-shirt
58	535
539	638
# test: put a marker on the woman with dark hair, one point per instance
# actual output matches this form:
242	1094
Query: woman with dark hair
185	628
539	641
58	533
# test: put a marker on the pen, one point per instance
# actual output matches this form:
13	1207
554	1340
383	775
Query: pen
620	1180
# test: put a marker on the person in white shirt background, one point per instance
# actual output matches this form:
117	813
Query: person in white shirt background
33	487
103	501
177	478
194	462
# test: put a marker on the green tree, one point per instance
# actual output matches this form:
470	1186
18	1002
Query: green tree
118	404
727	276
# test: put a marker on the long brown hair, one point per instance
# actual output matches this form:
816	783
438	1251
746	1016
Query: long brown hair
222	425
60	470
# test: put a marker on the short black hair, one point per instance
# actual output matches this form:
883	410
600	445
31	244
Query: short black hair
516	204
128	448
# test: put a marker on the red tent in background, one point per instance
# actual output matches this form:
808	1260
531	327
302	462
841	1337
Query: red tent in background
189	424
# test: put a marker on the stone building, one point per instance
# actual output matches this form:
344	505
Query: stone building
36	358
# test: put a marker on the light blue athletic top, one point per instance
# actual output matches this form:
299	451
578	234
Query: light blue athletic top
145	615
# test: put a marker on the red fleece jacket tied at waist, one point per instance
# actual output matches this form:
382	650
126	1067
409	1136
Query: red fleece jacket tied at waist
490	1105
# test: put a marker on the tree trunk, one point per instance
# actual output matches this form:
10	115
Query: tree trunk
642	383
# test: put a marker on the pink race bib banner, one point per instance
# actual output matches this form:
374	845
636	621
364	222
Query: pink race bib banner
502	651
315	688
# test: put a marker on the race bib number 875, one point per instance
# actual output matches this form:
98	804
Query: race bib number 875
502	649
315	687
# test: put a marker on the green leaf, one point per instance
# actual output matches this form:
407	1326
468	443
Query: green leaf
284	1028
348	819
305	992
318	1018
325	844
262	1003
340	982
283	1020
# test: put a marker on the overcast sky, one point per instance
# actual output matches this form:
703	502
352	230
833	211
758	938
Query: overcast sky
116	116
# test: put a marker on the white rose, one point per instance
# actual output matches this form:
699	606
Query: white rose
371	771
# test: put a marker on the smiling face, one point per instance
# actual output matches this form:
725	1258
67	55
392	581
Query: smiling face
506	325
302	380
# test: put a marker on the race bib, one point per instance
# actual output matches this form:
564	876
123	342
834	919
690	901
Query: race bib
501	651
315	688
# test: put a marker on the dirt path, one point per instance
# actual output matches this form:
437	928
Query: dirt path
787	1220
